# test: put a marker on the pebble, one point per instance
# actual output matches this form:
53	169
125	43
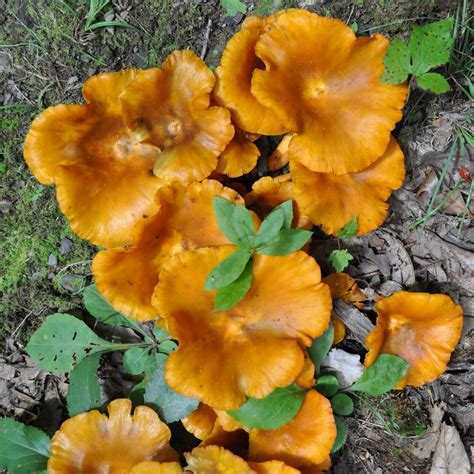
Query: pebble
52	260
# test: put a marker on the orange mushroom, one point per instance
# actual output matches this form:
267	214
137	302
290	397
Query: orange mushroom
267	193
280	156
151	467
324	83
421	328
101	170
126	277
343	286
234	77
201	421
93	442
331	200
306	378
251	349
170	108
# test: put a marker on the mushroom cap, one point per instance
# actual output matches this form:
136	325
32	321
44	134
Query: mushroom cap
339	328
215	460
151	467
101	170
254	347
422	329
201	421
280	156
126	277
234	76
178	120
324	82
304	441
92	442
306	378
343	286
331	200
272	467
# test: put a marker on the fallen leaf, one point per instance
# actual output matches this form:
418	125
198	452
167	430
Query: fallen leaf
347	366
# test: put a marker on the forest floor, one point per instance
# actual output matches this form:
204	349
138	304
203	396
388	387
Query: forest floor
45	56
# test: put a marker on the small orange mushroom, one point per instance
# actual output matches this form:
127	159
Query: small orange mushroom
343	286
324	83
92	442
101	170
280	156
170	108
201	421
126	277
306	378
151	467
255	346
331	200
421	328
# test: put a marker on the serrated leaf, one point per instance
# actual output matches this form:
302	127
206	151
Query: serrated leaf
327	385
341	436
62	341
287	241
396	63
135	359
171	406
23	449
271	412
321	346
228	270
350	229
342	404
232	7
270	228
84	390
383	375
234	293
430	45
340	259
433	82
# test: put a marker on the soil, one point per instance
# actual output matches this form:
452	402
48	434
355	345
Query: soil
45	56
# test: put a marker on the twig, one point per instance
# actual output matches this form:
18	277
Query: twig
357	322
206	39
14	333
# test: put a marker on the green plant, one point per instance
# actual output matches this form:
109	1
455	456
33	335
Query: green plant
340	258
95	7
232	7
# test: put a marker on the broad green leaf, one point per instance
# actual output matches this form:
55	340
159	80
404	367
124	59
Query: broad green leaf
270	228
396	62
171	406
244	226
321	346
137	392
167	347
84	390
342	404
232	7
287	208
430	45
433	82
228	270
287	241
23	449
62	341
341	436
271	412
135	360
234	293
350	229
160	334
327	385
383	375
340	259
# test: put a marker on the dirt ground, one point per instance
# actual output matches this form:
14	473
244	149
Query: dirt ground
45	56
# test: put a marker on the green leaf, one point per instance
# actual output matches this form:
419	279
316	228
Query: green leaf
135	360
383	375
160	334
62	341
342	404
287	241
234	293
171	406
350	229
228	270
271	412
270	228
327	385
321	346
23	449
84	390
340	259
232	7
244	225
287	208
433	82
396	62
341	436
430	45
167	347
103	24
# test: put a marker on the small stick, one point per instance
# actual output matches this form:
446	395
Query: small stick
357	322
206	39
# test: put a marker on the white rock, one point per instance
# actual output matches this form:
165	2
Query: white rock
347	366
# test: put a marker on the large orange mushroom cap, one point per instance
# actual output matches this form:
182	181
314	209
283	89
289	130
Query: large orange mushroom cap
175	115
272	467
151	467
102	172
234	77
94	443
325	84
422	329
304	441
331	200
251	349
126	277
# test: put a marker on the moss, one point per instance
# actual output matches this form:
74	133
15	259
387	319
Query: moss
267	7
